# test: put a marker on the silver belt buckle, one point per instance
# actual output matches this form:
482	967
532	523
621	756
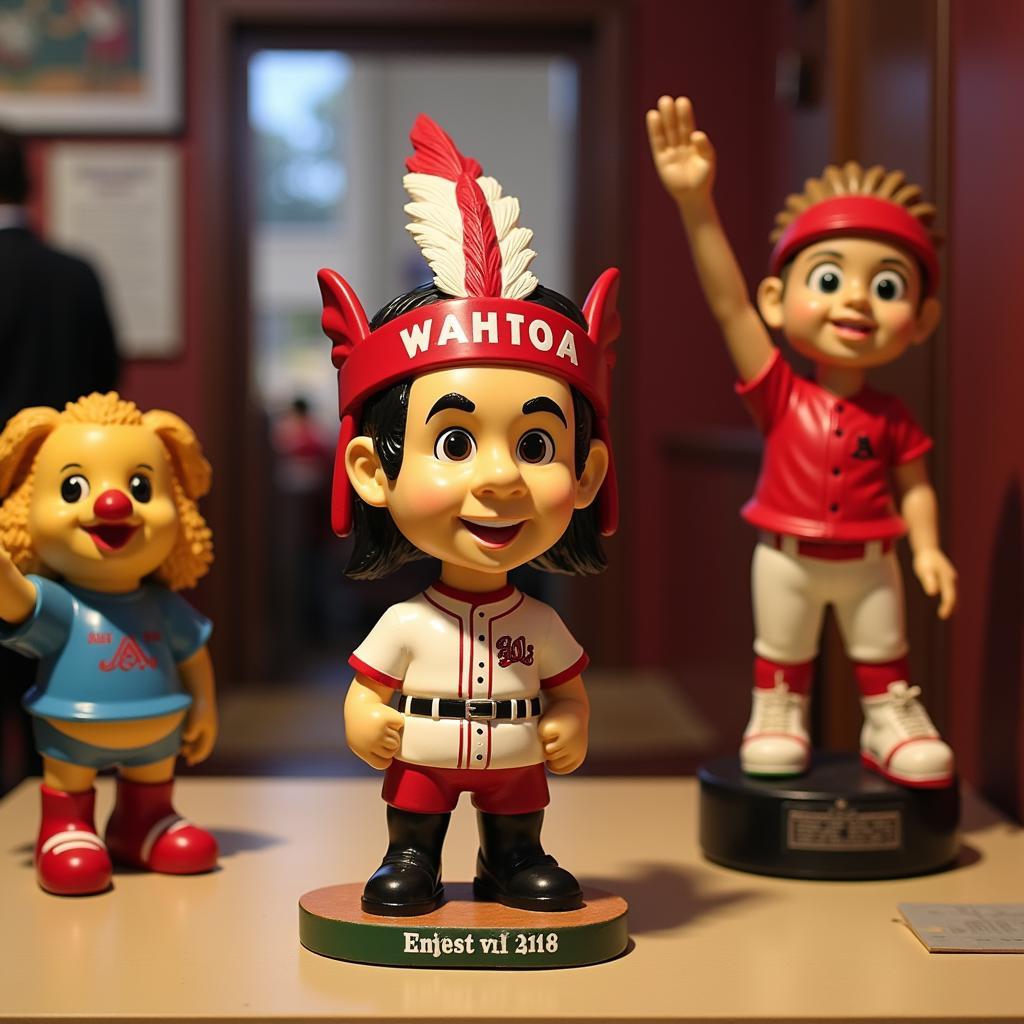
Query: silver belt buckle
475	710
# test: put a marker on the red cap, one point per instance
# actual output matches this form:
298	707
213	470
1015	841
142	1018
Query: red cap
863	216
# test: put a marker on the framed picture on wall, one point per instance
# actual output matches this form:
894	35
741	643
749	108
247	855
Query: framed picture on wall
73	67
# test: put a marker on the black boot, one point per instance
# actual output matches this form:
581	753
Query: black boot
512	867
408	881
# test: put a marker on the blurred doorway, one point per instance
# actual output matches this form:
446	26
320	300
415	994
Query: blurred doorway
303	113
328	136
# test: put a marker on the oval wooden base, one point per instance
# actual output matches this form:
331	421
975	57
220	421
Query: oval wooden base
463	932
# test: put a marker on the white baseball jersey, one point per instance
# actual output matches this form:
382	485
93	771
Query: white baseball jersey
450	643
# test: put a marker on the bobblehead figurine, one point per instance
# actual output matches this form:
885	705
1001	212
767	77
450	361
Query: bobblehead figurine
99	509
853	277
474	431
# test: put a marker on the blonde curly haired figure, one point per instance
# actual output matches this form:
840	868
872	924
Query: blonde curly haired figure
99	528
851	286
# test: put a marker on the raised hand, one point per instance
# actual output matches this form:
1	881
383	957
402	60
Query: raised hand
684	157
17	595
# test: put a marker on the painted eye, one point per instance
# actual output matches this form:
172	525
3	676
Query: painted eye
75	488
825	277
454	445
141	487
888	286
536	448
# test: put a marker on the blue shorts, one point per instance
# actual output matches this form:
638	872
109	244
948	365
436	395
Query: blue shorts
51	742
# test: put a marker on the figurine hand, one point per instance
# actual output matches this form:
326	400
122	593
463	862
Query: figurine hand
374	733
200	732
684	158
937	576
17	594
563	733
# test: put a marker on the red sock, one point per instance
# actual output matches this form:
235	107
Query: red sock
796	677
873	680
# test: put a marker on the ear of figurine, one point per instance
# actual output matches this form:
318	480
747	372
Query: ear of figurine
593	474
928	317
365	472
190	466
20	441
769	301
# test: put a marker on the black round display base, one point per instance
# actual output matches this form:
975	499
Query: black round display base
836	821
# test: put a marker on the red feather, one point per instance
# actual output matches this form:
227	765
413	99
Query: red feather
479	240
436	153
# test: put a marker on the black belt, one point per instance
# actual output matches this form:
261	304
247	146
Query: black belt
474	710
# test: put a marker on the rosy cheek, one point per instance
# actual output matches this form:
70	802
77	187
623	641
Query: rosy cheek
427	491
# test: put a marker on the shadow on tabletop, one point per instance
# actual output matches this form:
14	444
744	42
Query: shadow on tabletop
663	896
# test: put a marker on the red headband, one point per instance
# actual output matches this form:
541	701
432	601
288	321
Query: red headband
865	216
480	330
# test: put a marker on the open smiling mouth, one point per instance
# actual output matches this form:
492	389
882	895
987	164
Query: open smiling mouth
854	330
494	533
111	536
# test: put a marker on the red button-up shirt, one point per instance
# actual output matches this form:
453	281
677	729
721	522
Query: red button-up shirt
825	472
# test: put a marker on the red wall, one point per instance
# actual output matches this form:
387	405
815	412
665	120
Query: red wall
680	379
986	376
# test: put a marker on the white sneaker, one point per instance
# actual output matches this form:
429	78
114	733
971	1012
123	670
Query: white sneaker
899	741
775	741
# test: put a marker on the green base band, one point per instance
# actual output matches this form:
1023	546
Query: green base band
455	934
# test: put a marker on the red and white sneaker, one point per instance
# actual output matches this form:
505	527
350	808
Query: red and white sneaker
71	859
146	832
899	741
775	742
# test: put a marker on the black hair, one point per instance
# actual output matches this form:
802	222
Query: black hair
379	546
14	183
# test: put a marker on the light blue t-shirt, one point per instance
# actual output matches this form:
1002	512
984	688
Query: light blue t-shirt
107	657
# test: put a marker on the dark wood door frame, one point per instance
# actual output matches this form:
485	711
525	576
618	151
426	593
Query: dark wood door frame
592	31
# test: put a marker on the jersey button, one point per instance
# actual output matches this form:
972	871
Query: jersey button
835	471
833	507
481	638
840	407
839	431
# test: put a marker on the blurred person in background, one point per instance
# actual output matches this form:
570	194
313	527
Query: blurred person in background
57	343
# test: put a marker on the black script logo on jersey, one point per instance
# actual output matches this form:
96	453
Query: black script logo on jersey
512	651
128	656
864	449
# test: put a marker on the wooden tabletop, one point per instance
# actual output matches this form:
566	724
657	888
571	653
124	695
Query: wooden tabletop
710	944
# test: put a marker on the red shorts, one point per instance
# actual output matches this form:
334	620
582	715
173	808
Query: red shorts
415	787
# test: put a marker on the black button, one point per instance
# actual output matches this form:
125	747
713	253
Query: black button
835	471
833	507
479	757
480	664
839	431
481	615
481	636
479	732
479	679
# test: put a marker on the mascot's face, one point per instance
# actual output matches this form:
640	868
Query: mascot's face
850	302
102	513
488	477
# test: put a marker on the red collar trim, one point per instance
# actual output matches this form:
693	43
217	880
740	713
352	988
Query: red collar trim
473	597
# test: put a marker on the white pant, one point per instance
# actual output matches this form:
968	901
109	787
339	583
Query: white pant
791	592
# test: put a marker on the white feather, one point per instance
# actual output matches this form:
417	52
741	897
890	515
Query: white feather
437	228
